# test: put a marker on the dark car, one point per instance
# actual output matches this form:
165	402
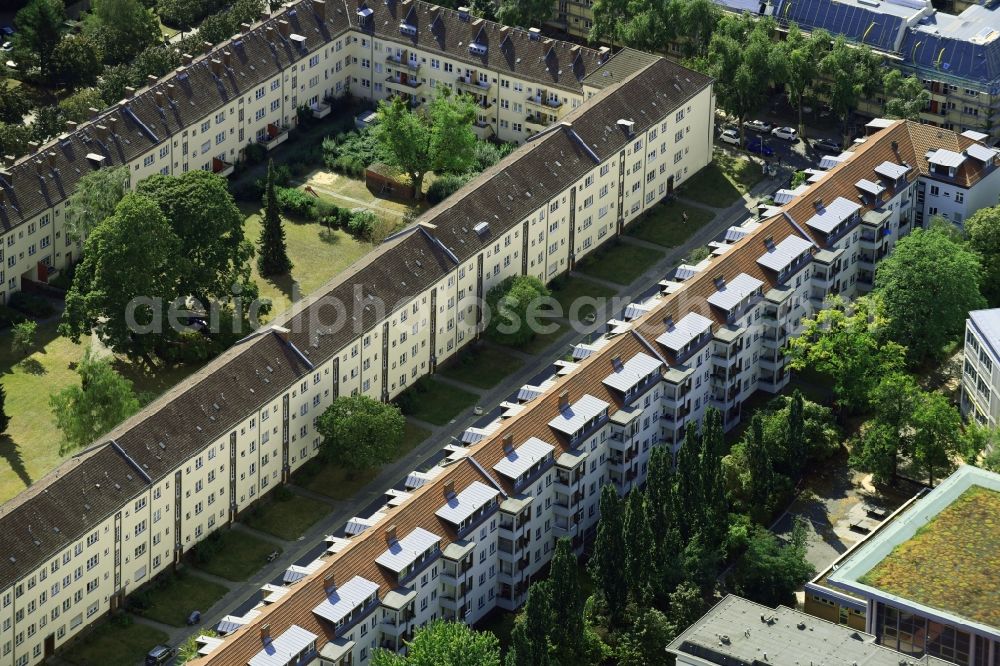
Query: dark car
161	654
757	146
7	30
827	146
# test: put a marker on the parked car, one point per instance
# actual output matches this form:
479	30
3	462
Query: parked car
7	30
827	146
7	46
730	136
787	133
757	146
160	654
761	126
194	618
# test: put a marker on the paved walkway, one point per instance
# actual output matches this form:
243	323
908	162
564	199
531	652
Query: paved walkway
439	436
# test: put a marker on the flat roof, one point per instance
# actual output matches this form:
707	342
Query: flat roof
343	599
739	632
464	504
404	552
687	329
521	459
732	293
987	324
577	414
277	651
831	215
780	256
632	372
940	557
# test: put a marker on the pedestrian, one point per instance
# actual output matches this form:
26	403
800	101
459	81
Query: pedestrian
684	216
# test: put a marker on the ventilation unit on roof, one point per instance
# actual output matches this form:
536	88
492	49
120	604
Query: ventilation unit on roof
534	34
626	125
299	40
463	13
481	228
477	49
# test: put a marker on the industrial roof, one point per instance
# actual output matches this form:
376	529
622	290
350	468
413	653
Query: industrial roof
523	458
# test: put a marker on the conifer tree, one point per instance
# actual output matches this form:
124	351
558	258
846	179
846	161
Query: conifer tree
273	258
567	630
761	470
529	642
609	554
638	546
796	446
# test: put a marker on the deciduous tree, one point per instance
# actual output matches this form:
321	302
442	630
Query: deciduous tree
567	630
853	73
39	27
769	573
937	435
888	434
13	104
509	304
638	545
77	106
524	13
438	138
905	96
799	59
123	28
928	285
75	63
443	643
983	228
94	199
23	339
608	554
529	640
103	400
848	344
117	285
4	419
360	432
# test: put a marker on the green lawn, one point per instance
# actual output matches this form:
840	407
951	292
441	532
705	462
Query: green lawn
338	483
576	296
234	555
665	225
288	517
435	402
620	263
541	341
115	641
723	182
316	253
172	601
483	367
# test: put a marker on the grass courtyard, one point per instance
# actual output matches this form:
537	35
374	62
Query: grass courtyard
172	600
288	516
340	484
621	263
482	367
577	296
665	225
951	562
435	402
233	555
118	640
723	181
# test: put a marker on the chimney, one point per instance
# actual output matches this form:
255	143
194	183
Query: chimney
319	6
3	197
265	633
207	46
328	581
159	98
39	167
94	113
265	13
70	126
563	400
187	58
245	27
102	132
170	91
390	534
227	59
508	444
151	80
129	92
602	54
113	121
269	32
281	332
534	34
449	489
463	13
216	65
818	204
51	158
284	28
33	146
616	362
8	160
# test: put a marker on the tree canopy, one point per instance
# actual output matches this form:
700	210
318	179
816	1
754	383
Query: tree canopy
438	138
852	74
101	401
360	432
983	228
524	13
799	57
905	96
272	258
769	572
928	272
442	643
94	199
848	344
122	28
509	304
39	27
75	63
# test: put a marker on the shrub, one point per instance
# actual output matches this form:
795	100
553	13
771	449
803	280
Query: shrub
31	305
295	202
254	153
351	152
362	224
444	186
489	153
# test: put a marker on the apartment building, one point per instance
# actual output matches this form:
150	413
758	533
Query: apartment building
954	54
916	587
105	522
251	88
981	371
470	534
737	631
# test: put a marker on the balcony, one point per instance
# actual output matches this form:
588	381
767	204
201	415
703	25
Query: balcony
321	110
543	102
403	61
482	129
472	83
536	121
276	135
404	82
221	167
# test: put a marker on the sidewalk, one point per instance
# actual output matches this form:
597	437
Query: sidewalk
442	435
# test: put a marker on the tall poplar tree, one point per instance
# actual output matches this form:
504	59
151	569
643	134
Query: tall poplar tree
567	630
609	554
